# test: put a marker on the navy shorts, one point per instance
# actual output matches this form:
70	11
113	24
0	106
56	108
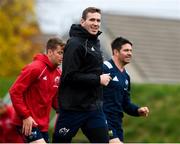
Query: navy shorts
36	134
92	124
116	133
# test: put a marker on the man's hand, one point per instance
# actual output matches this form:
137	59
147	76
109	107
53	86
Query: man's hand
143	111
27	125
105	79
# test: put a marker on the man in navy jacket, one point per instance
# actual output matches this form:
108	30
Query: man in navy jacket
117	93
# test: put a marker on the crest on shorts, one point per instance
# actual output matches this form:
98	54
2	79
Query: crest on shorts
110	133
63	131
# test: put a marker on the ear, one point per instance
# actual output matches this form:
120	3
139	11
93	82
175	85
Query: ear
82	21
49	51
116	51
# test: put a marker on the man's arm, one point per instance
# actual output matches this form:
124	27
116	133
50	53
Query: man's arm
20	86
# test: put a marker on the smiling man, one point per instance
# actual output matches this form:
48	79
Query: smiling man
117	93
80	95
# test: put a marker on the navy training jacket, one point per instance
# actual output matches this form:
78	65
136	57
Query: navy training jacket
117	95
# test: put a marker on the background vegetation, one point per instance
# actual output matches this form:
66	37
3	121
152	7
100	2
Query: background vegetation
18	26
162	123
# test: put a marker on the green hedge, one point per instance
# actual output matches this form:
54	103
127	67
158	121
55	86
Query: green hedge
162	123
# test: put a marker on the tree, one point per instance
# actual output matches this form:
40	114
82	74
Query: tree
17	28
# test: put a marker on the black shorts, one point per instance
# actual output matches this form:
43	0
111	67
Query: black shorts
92	124
116	133
36	134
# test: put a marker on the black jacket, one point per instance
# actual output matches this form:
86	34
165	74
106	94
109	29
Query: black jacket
80	88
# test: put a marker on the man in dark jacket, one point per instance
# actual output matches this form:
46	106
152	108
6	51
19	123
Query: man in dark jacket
80	95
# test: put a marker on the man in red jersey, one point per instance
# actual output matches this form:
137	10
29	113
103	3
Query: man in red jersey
35	92
8	133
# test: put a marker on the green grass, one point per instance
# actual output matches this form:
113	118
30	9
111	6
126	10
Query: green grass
162	125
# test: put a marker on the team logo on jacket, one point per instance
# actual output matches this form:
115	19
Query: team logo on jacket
115	78
92	49
45	78
126	84
56	81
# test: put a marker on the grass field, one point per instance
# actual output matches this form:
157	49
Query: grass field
162	125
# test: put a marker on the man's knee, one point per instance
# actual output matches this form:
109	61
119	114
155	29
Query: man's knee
115	140
39	141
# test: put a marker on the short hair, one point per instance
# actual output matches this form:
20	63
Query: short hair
119	42
53	43
90	10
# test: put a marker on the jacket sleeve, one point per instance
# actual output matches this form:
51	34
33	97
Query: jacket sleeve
19	88
128	106
72	62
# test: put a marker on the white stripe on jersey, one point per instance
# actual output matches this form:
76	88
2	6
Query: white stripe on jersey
108	64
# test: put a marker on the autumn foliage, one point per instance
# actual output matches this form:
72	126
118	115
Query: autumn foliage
18	26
